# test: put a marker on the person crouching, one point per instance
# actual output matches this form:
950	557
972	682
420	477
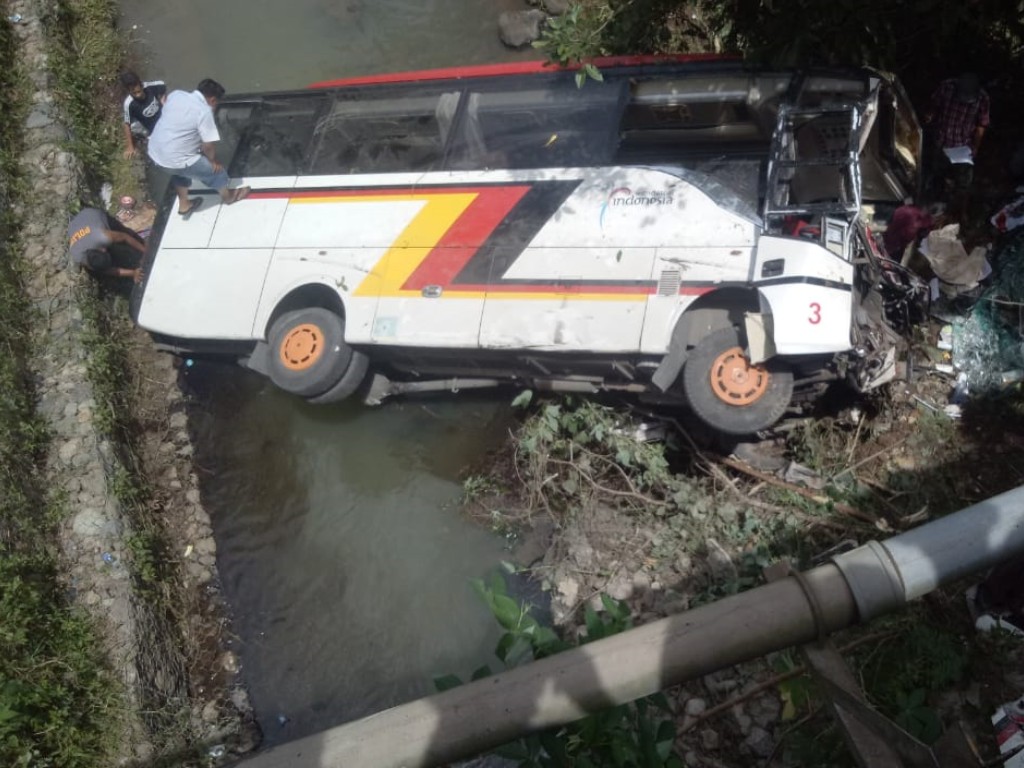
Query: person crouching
105	247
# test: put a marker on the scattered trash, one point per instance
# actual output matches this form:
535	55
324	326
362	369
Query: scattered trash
987	623
951	262
16	18
106	193
188	550
108	558
945	341
217	751
1011	377
953	411
647	432
961	390
127	210
282	720
1010	216
1008	723
798	474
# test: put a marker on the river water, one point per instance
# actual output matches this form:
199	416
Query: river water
343	557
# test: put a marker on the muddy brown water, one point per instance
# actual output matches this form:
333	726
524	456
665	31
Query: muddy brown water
342	554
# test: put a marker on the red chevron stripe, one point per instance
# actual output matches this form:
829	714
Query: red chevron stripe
466	235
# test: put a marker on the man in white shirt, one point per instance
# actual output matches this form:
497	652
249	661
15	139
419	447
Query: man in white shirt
183	141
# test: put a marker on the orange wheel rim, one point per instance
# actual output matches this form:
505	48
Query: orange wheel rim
301	347
735	381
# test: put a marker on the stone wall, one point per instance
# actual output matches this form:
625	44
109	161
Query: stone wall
170	656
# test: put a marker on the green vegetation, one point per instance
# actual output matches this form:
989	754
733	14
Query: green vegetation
57	701
906	38
86	53
636	735
580	460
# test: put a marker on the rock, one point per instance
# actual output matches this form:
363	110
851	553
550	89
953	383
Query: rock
641	582
68	451
178	421
581	553
720	684
94	522
719	562
211	712
556	7
709	739
692	760
765	710
144	752
240	698
620	588
247	740
684	562
198	572
229	661
206	546
760	742
39	117
743	721
695	706
517	29
568	588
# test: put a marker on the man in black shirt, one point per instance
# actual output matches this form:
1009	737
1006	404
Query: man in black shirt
141	108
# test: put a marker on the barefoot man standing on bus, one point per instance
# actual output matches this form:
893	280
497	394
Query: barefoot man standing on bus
183	145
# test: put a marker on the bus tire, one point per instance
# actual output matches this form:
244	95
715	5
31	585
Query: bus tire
308	354
728	393
349	382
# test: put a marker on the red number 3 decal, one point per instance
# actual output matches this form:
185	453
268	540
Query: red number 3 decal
815	317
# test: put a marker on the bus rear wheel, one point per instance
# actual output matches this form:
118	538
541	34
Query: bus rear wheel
730	394
308	353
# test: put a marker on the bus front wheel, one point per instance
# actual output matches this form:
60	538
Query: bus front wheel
308	353
730	394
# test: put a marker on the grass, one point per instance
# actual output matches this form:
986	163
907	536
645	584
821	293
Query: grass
86	54
57	699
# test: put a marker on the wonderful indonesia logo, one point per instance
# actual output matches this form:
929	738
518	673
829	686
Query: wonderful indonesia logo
626	197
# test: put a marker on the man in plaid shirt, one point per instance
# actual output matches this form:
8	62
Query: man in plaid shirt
958	117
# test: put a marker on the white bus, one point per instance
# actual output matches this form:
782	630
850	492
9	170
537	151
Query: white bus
687	229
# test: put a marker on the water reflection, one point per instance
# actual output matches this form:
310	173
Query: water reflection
341	553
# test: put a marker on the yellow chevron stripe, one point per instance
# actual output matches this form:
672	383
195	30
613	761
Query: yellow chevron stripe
435	218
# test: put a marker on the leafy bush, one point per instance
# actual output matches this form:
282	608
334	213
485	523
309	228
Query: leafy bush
636	735
906	38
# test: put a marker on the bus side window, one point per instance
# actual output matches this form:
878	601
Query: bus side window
557	126
393	134
232	120
277	139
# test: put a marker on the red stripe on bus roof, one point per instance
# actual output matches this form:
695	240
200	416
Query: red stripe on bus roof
530	67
